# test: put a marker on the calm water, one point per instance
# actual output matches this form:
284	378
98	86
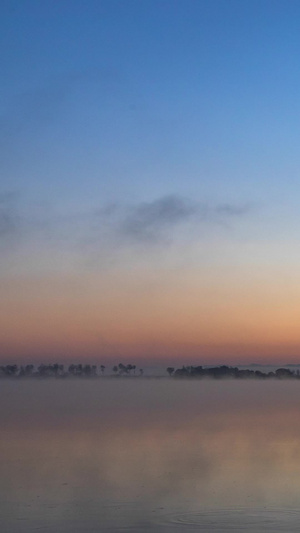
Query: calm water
149	456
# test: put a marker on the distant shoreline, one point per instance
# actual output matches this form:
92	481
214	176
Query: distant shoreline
129	371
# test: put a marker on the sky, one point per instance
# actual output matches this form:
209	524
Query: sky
149	181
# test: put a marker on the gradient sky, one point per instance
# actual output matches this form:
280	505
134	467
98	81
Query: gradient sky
149	193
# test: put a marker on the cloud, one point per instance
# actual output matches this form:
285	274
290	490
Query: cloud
9	221
113	228
156	221
230	210
150	221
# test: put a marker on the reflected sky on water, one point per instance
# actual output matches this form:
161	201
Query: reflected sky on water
149	455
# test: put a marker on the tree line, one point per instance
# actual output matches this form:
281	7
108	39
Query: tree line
61	371
121	370
223	371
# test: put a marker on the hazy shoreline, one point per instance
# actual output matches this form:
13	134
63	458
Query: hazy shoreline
129	371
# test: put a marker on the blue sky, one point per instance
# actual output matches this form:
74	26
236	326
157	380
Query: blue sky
138	133
135	98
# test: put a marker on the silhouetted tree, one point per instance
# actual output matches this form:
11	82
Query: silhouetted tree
29	370
87	370
122	368
71	370
284	373
129	368
10	370
170	370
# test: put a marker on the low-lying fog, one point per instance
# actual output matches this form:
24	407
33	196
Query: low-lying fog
149	455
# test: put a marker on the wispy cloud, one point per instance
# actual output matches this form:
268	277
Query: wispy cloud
113	227
157	221
150	221
230	210
9	220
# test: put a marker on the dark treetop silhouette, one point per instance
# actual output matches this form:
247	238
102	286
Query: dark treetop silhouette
92	371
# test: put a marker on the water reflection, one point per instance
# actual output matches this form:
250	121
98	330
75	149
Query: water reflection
149	455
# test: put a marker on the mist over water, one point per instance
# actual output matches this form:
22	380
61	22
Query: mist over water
149	455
